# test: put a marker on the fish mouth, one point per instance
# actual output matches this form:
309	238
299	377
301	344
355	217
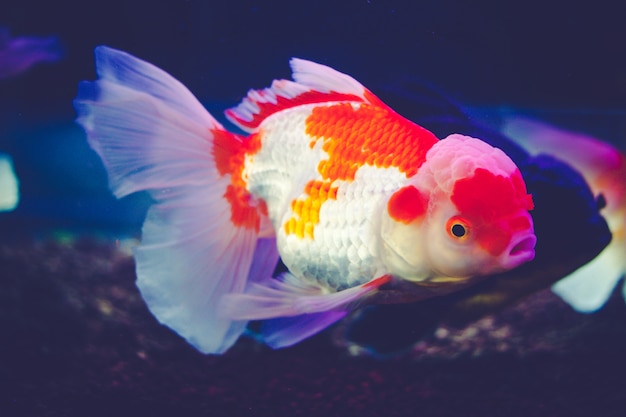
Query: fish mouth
526	245
521	250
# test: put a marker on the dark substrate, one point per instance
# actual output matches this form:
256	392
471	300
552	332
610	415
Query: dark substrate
77	340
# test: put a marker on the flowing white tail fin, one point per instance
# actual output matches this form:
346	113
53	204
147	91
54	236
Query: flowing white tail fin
153	135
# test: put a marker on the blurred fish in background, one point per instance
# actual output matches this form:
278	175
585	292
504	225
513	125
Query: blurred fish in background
604	169
19	54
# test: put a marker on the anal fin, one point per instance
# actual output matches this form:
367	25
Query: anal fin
287	331
295	310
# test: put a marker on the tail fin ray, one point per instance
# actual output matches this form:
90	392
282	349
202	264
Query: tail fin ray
154	136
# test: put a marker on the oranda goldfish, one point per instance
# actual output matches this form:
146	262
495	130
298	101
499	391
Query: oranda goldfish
348	193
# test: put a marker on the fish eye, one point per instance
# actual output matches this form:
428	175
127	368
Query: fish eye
458	228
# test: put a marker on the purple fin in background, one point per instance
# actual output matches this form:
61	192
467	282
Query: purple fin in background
19	54
287	331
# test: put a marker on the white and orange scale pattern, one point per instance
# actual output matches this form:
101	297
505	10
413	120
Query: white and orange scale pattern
324	171
325	222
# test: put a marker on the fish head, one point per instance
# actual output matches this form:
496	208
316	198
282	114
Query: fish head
474	217
465	243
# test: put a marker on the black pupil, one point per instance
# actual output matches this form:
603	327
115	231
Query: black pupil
458	230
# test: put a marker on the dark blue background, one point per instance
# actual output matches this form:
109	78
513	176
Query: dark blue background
562	57
561	53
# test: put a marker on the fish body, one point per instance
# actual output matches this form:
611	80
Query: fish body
323	196
349	194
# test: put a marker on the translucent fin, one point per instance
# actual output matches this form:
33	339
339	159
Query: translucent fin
183	270
599	162
153	135
325	79
288	296
589	287
124	69
604	169
284	332
314	83
265	260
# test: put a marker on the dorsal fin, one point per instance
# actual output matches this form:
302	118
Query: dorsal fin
313	83
325	79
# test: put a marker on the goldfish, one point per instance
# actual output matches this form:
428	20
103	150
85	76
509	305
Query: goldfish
604	168
352	197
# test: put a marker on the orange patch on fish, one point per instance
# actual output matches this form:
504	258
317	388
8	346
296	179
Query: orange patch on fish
230	152
369	135
307	210
407	204
378	282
